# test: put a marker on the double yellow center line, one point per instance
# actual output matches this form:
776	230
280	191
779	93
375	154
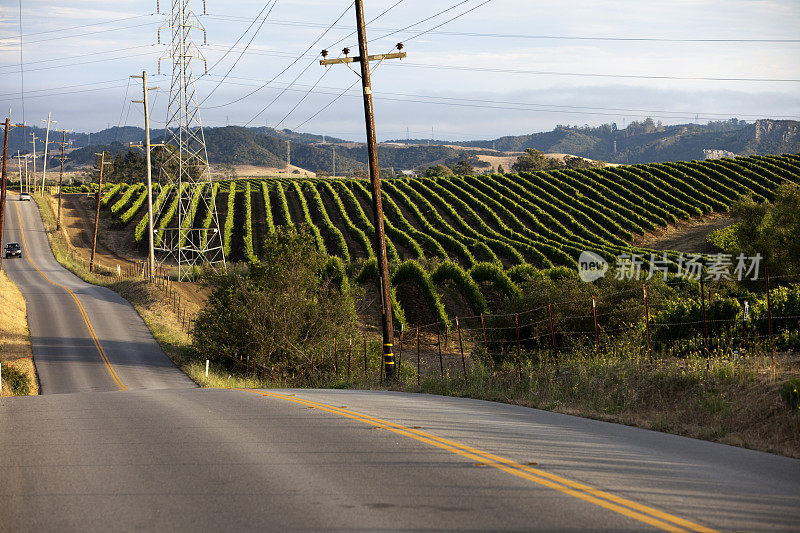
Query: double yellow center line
117	381
617	504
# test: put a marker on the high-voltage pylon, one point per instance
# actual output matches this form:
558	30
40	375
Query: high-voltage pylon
192	238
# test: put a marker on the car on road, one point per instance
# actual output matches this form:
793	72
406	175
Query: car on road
13	249
24	197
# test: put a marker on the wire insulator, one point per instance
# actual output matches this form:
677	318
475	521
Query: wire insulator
324	53
346	51
399	46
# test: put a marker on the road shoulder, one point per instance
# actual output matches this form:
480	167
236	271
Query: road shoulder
15	339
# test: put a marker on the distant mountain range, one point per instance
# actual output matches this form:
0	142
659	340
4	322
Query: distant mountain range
650	142
639	142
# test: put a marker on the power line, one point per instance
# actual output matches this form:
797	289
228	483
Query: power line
589	74
368	23
83	25
90	62
90	54
420	22
298	58
84	34
21	68
448	21
68	92
67	87
243	51
303	24
415	98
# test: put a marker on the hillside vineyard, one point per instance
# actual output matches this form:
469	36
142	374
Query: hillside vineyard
539	219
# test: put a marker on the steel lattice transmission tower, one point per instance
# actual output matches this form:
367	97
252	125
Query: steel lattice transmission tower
193	238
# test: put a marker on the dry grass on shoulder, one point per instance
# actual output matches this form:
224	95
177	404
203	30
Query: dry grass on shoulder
15	340
735	402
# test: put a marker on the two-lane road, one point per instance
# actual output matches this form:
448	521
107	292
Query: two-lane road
84	337
162	455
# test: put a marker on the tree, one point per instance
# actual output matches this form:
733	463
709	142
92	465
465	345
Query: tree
463	168
500	169
438	170
767	229
532	161
283	313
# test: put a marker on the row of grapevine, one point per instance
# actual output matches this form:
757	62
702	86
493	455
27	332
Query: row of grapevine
544	219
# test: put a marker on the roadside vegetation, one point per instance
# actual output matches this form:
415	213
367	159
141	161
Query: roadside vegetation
16	358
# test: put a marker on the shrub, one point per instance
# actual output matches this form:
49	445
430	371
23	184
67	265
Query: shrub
283	313
18	382
790	392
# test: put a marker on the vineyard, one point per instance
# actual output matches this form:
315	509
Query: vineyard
470	231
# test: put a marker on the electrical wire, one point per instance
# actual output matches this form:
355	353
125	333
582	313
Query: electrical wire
21	68
588	74
92	33
90	62
368	23
302	24
90	54
121	111
421	21
518	106
70	28
243	51
298	58
448	21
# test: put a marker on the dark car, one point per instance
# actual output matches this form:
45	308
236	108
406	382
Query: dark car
12	249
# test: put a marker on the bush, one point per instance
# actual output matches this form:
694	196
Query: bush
283	313
18	382
790	392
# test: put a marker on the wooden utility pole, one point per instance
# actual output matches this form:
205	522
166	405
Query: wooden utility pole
46	144
103	163
8	126
33	155
3	186
63	158
19	158
372	149
151	258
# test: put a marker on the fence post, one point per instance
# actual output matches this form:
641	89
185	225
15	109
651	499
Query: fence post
206	367
461	347
552	333
647	323
596	331
483	327
705	325
400	355
417	355
335	359
439	345
519	357
769	319
349	352
366	375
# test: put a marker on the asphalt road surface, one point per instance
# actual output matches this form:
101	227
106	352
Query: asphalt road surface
162	455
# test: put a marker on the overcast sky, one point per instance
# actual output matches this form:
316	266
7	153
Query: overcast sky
507	67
